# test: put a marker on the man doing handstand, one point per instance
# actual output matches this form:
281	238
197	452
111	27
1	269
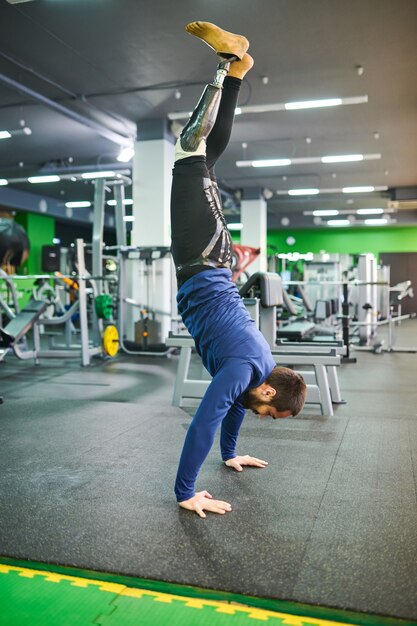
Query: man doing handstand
234	352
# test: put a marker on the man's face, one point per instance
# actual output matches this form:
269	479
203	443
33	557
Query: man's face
261	407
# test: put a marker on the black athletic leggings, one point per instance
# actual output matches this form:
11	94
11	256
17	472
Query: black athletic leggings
200	238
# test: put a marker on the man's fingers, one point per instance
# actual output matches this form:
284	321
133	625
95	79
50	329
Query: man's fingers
203	502
200	512
251	460
217	505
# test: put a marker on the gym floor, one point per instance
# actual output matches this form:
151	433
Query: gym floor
88	462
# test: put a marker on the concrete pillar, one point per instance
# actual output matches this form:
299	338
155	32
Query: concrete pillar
151	285
253	217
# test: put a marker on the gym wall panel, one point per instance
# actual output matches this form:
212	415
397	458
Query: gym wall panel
346	240
41	230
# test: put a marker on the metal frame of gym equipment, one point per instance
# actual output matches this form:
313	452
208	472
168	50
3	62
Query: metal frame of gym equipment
147	254
124	253
322	382
350	327
30	318
402	290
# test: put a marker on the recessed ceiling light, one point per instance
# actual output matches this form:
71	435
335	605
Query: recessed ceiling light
4	181
4	134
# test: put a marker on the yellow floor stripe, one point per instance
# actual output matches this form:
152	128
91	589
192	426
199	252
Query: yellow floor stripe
196	603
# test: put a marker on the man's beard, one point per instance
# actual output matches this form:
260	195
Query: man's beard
250	401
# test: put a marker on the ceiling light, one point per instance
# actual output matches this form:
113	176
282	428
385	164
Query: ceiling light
303	192
376	222
325	212
127	201
334	190
281	106
89	175
342	158
129	218
3	181
271	162
369	211
126	154
365	189
338	223
4	134
78	204
44	179
307	160
312	104
235	226
238	111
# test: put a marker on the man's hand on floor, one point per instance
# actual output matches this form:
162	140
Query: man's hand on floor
203	501
239	461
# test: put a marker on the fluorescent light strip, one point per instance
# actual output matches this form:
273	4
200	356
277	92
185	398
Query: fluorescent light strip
343	158
270	163
369	211
325	212
346	158
127	202
44	179
90	175
282	106
365	189
313	104
283	192
126	154
79	204
338	223
4	134
129	218
4	181
376	222
303	192
235	226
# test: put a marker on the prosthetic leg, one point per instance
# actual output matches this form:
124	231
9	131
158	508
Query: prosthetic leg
204	115
229	47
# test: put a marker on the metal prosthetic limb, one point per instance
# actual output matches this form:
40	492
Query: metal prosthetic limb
204	115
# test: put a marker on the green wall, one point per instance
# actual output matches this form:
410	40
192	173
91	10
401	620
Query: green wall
41	230
347	240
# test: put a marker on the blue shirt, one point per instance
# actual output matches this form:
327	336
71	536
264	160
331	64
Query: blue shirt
236	355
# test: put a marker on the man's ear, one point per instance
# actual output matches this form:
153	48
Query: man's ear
269	391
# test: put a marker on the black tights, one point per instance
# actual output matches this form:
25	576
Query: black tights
200	239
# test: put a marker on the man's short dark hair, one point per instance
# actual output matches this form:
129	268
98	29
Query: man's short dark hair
291	390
